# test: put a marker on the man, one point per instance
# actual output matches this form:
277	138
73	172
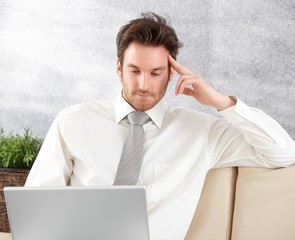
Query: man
85	142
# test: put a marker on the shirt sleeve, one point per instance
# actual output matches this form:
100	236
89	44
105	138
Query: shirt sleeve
53	165
249	138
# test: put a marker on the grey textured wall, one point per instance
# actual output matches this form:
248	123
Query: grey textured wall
55	53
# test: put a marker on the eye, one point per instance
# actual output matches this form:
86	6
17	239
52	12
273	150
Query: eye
135	71
155	74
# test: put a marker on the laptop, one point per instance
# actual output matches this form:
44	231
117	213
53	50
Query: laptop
77	213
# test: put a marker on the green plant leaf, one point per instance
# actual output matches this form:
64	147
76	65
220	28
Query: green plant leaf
18	151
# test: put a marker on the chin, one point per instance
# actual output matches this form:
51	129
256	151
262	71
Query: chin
143	107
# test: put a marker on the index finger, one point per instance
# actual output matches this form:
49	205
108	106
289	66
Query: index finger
178	67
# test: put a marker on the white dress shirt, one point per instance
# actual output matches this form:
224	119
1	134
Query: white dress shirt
84	145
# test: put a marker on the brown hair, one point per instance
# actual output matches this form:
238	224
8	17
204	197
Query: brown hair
150	30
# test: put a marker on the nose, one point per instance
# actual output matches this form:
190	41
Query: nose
143	82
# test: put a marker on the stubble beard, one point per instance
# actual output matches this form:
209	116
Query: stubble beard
140	105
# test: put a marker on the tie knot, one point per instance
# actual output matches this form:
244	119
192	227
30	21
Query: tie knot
138	118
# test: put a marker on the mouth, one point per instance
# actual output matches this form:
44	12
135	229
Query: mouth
143	95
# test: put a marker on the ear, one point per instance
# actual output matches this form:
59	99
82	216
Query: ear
119	69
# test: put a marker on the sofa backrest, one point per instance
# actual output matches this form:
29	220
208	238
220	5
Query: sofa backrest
246	203
265	204
213	216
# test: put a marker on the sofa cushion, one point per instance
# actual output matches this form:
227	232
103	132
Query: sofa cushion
265	204
213	216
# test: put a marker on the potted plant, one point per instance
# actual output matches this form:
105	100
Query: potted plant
17	155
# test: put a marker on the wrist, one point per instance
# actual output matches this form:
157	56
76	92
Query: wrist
225	102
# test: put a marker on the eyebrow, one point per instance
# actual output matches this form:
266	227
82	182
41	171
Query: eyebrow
130	65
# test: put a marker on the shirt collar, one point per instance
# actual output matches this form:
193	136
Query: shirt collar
123	108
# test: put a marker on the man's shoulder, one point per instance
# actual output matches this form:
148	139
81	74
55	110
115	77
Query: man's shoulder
189	113
192	117
87	107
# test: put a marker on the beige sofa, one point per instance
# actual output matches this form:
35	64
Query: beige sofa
246	204
243	204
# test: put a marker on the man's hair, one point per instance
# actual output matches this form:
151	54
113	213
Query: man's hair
149	30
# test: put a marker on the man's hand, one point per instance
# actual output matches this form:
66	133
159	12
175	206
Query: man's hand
192	84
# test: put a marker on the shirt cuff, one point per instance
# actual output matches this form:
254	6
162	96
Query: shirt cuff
237	113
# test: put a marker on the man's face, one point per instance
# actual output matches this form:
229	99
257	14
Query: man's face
145	75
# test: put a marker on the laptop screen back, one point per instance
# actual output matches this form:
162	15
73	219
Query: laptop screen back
75	213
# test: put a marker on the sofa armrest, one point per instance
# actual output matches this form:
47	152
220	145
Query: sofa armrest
213	216
265	204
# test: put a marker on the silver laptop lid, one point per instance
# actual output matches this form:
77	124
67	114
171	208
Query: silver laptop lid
77	213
